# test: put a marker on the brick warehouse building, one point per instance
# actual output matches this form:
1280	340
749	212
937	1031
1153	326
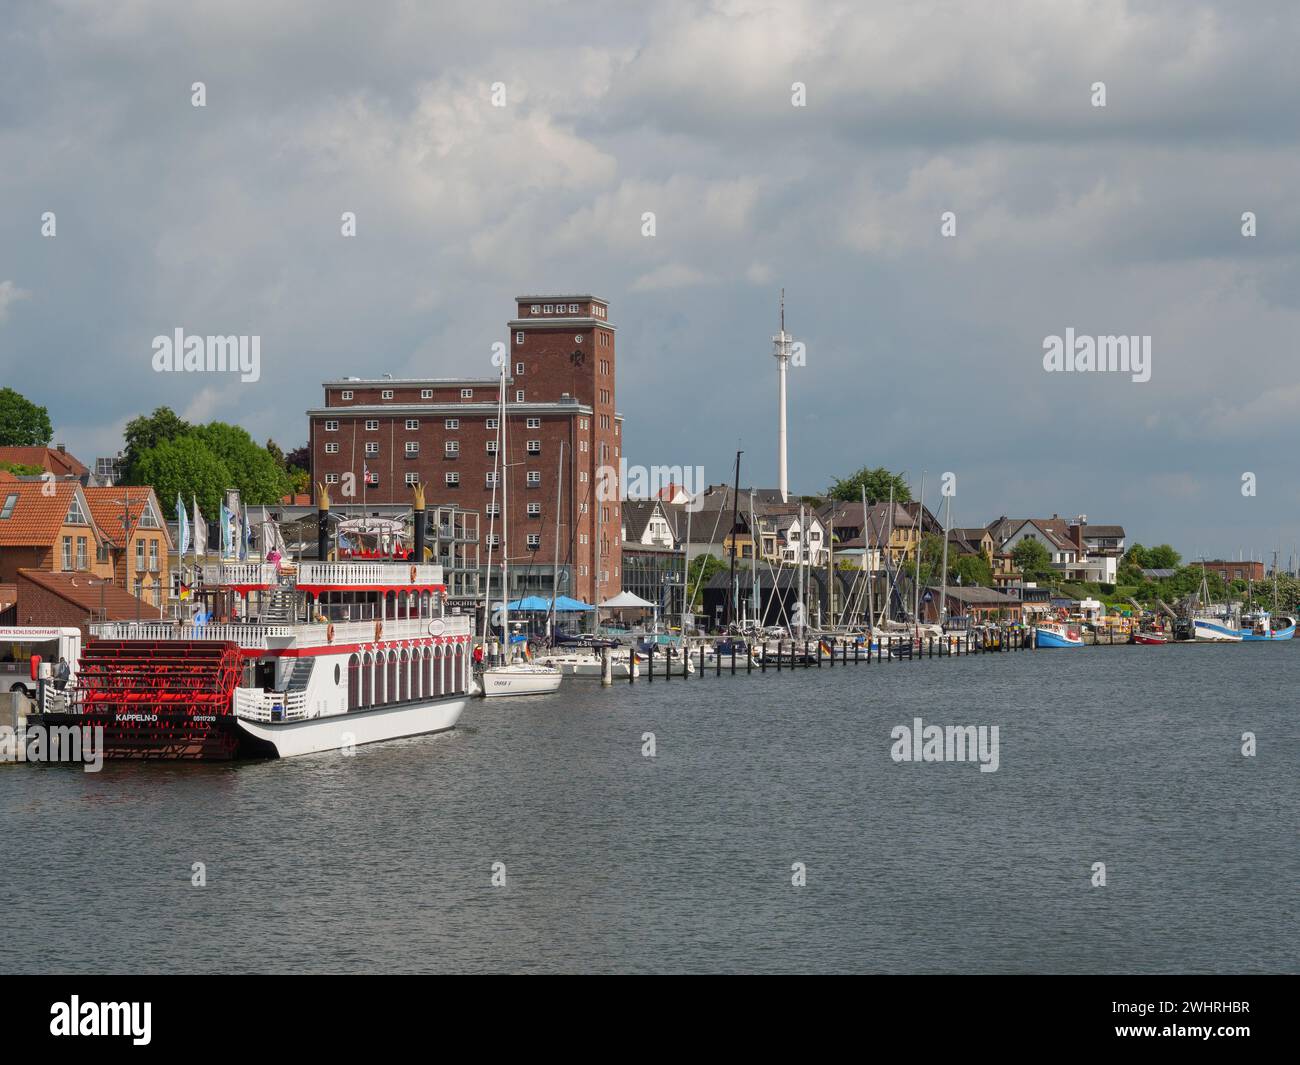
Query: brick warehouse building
442	432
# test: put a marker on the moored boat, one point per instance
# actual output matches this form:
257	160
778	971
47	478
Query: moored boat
1149	636
1057	634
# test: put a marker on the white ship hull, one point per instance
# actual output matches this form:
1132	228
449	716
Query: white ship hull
337	731
501	681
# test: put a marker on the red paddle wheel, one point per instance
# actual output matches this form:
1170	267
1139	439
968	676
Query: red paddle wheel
160	698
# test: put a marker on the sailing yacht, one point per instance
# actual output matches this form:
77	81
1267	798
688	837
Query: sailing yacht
515	676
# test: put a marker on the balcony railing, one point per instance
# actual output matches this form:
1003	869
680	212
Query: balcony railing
347	574
253	637
253	704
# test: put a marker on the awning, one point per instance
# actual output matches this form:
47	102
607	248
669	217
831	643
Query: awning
563	604
624	599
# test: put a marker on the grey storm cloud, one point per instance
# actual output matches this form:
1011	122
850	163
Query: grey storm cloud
924	351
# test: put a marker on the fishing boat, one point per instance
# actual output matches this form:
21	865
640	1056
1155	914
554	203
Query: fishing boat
1057	634
278	660
1149	636
1259	626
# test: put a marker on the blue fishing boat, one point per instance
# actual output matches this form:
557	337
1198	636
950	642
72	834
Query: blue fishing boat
1057	634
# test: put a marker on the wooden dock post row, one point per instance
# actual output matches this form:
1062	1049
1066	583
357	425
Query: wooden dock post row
898	648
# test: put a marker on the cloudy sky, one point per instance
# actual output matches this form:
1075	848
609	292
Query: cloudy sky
924	352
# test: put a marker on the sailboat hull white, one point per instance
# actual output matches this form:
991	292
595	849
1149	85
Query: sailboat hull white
336	731
504	681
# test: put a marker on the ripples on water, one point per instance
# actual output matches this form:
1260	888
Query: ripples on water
382	862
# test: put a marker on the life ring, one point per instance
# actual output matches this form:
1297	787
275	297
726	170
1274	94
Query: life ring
329	633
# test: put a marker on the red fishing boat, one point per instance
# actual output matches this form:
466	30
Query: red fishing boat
1150	637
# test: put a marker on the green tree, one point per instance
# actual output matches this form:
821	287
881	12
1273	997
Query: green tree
20	469
186	466
147	431
972	569
701	570
1033	560
273	449
253	470
22	422
877	482
1162	557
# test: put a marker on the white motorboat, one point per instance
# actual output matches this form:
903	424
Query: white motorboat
575	664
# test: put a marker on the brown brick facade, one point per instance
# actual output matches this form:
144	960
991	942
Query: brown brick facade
564	367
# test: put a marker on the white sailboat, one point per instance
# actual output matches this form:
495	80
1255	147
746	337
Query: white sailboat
514	676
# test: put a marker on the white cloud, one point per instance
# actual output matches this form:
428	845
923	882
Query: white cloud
10	293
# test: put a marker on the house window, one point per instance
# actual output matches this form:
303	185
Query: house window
81	552
74	516
426	393
491	447
582	476
372	448
534	423
452	480
534	478
412	448
519	337
139	556
451	447
466	393
11	501
412	478
494	540
331	478
67	553
573	308
412	424
537	308
492	423
549	308
534	447
534	509
153	556
387	393
331	425
582	445
519	396
101	551
451	423
490	479
519	369
493	509
331	449
346	393
534	541
582	508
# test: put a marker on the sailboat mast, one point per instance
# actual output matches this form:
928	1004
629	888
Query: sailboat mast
943	595
555	568
505	522
866	558
732	588
916	592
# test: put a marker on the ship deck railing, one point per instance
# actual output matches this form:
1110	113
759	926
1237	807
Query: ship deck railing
256	704
257	637
395	573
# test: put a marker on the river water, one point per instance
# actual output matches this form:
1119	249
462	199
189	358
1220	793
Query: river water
617	862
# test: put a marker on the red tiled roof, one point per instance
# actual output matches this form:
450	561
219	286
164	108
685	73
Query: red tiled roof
89	593
59	463
106	506
37	517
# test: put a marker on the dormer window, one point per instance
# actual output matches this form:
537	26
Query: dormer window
75	515
148	519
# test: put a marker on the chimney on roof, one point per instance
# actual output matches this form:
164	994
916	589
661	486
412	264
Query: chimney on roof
62	447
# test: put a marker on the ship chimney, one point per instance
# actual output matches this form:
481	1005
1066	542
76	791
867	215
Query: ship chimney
417	509
322	523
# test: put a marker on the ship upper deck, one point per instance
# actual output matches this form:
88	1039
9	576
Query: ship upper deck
316	577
